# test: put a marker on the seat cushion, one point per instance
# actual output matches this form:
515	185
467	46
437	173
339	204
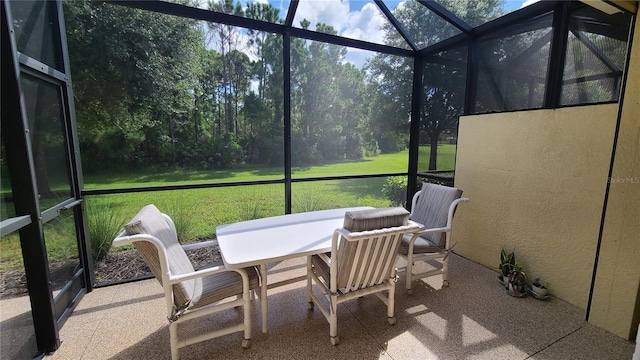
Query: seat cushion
149	220
321	268
432	209
421	246
220	286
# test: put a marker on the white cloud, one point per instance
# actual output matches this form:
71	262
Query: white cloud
333	13
361	24
365	24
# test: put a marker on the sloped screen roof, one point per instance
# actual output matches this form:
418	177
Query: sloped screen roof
384	22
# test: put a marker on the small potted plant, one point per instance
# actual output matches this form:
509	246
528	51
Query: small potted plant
507	262
539	290
517	281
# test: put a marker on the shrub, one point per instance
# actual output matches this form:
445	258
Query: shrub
225	151
104	225
442	178
310	202
396	190
507	262
182	219
249	210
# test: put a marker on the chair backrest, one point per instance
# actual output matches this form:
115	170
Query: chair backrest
367	253
149	220
432	209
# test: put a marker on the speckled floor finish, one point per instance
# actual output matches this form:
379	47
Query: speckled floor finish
471	319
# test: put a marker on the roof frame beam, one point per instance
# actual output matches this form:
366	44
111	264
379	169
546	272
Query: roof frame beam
606	28
447	15
497	92
595	50
202	14
291	13
528	52
394	21
446	44
527	13
557	55
234	20
359	44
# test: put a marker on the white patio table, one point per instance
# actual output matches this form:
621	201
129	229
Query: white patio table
272	239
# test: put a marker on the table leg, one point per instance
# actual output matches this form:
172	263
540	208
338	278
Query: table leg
263	297
309	289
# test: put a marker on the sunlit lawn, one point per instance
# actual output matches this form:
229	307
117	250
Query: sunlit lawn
385	163
446	157
201	210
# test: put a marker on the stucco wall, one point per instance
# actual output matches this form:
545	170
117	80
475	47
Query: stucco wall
617	282
536	180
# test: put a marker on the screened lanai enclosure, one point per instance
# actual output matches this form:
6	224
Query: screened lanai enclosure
222	111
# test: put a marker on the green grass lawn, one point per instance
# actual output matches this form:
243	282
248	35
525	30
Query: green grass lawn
385	163
446	157
198	211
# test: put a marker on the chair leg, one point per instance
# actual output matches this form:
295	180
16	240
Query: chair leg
173	334
391	319
445	271
333	320
409	273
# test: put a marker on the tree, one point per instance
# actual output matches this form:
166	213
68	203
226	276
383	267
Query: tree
327	102
226	38
444	80
391	76
258	41
239	67
131	72
353	113
264	137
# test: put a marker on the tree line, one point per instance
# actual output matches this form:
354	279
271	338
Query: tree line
154	89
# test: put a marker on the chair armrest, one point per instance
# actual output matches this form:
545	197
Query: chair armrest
452	210
124	239
324	257
174	279
429	231
200	245
419	233
414	200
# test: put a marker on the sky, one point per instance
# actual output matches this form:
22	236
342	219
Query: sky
356	19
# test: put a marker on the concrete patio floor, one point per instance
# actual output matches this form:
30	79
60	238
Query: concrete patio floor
473	318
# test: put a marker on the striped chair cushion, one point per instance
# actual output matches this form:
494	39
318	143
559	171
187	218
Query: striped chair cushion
149	220
220	286
321	268
420	246
432	210
365	220
371	219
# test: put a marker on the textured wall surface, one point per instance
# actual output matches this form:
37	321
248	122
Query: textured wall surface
618	277
536	180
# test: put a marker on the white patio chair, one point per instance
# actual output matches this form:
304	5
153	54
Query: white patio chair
361	262
188	293
433	207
